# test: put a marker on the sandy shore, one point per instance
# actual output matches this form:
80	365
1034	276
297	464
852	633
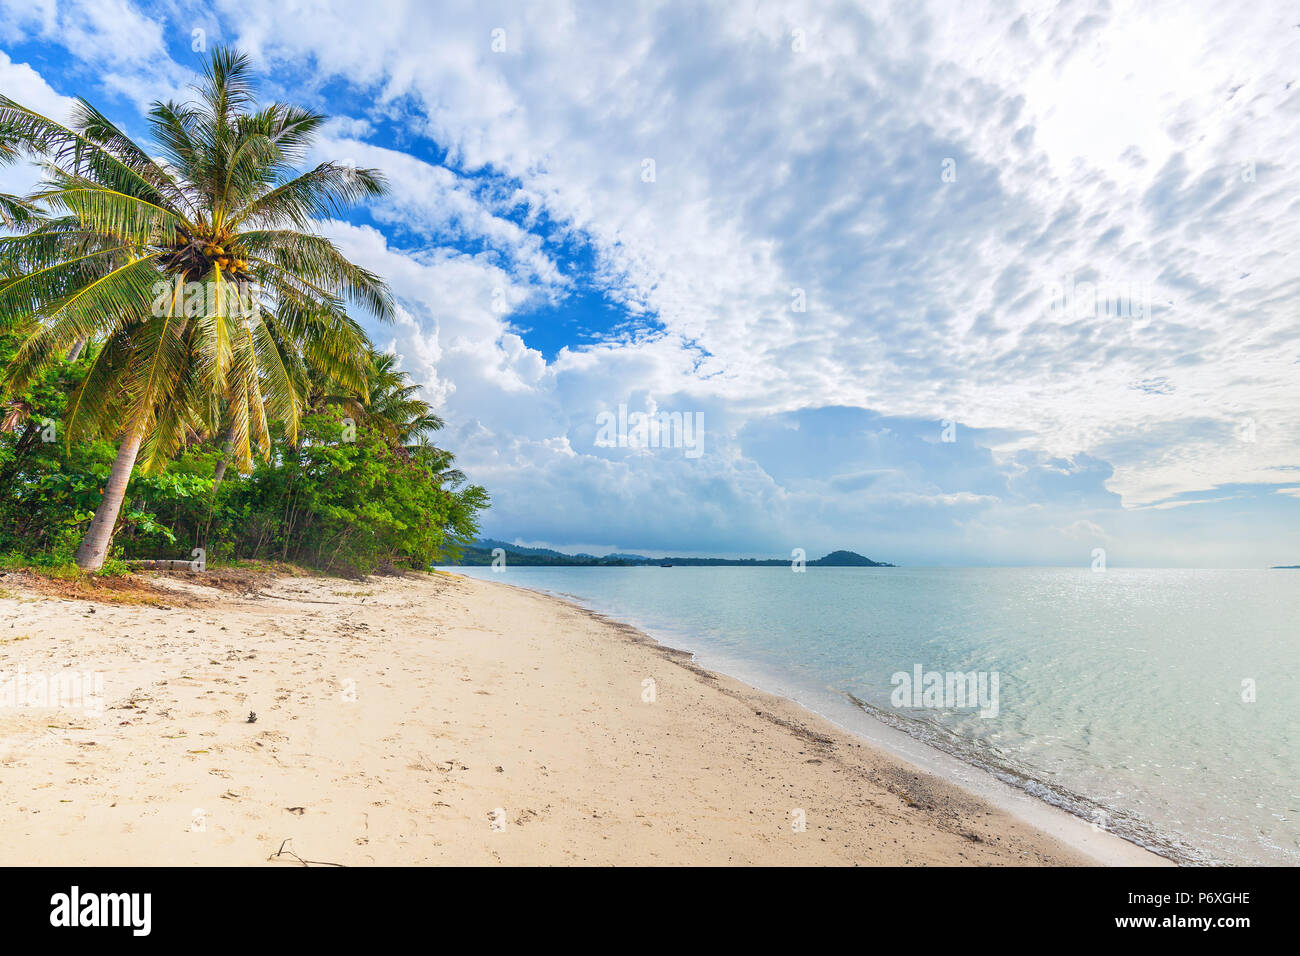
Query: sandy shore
437	719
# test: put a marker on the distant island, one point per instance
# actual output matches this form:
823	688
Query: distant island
1286	567
480	553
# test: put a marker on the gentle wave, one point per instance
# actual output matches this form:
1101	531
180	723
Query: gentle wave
1117	820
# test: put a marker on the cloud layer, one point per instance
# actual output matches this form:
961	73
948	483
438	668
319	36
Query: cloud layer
830	231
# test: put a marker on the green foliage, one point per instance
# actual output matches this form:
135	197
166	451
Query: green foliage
48	491
346	506
210	321
198	273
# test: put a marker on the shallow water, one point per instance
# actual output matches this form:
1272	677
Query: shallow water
1119	693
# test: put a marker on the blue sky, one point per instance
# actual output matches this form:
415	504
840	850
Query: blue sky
858	241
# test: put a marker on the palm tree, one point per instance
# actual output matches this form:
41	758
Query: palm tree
391	402
15	212
197	274
392	406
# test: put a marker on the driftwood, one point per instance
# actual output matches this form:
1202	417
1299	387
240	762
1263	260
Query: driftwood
159	564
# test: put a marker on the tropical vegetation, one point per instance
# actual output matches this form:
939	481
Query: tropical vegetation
168	313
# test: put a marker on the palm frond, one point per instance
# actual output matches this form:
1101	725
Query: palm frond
319	262
328	190
216	212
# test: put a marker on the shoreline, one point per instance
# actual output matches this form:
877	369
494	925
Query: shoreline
1105	847
436	719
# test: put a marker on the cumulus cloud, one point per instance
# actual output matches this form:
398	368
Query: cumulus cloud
831	230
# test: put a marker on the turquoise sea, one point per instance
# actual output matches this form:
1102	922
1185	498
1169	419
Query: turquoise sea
1162	704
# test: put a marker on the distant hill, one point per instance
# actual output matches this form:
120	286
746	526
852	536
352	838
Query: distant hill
846	559
487	544
480	553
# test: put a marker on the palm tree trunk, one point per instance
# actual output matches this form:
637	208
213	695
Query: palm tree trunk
220	471
22	448
227	449
217	474
75	352
94	546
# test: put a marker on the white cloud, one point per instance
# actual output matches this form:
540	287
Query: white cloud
22	83
1102	142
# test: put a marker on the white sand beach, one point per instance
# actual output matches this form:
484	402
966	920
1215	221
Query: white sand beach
434	719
